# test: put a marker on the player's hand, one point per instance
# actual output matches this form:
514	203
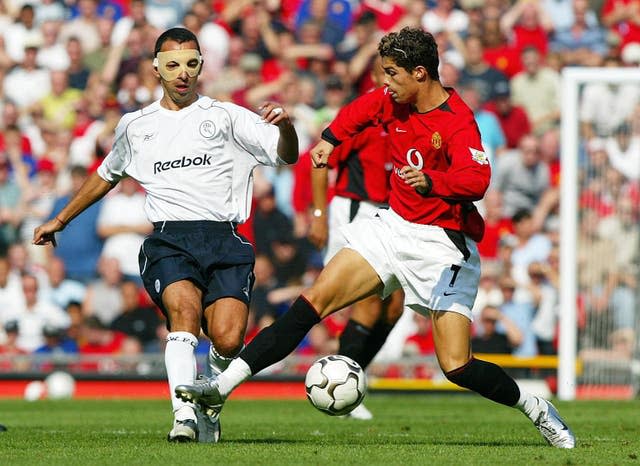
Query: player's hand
319	231
416	179
45	233
320	154
274	113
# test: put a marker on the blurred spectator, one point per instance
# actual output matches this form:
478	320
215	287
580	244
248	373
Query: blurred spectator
123	225
36	204
289	257
519	312
580	43
546	300
21	33
84	27
59	105
513	119
262	311
164	14
562	13
623	150
49	10
103	298
135	320
9	348
332	16
493	140
498	52
489	293
56	342
521	177
10	194
79	245
526	24
537	90
98	340
603	107
35	315
96	59
421	342
531	246
621	17
214	43
269	223
489	339
11	295
478	72
52	55
445	16
496	225
78	71
26	83
61	291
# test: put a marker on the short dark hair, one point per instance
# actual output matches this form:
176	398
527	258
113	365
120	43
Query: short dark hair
179	35
412	47
520	215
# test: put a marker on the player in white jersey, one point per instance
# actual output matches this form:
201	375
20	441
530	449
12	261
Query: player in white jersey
194	157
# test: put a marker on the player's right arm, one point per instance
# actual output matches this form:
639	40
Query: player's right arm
93	189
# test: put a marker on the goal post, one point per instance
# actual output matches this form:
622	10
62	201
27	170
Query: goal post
573	81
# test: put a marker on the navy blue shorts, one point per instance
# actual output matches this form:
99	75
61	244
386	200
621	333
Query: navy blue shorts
210	254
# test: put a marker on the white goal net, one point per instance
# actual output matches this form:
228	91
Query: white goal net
600	233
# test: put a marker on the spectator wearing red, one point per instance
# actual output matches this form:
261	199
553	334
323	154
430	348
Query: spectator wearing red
513	119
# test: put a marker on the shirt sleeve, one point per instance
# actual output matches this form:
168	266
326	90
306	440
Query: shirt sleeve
468	177
254	135
112	168
367	110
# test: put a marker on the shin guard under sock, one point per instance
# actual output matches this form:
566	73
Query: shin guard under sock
283	336
487	379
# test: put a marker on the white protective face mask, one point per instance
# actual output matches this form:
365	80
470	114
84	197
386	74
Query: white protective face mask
172	63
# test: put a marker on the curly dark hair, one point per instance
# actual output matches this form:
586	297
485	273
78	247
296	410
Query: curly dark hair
412	47
179	35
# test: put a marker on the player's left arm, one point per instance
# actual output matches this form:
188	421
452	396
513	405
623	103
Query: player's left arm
467	177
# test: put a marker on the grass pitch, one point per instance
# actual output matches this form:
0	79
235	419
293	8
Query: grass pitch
407	430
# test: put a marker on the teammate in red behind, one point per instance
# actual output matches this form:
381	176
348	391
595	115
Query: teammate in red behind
425	243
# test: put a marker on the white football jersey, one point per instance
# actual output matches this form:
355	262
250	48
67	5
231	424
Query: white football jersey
195	163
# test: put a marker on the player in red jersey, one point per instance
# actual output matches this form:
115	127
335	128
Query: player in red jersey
425	243
363	165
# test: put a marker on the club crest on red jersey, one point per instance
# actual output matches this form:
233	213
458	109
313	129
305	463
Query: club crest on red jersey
479	156
436	140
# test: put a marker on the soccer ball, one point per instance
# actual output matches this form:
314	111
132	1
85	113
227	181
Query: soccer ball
335	384
60	385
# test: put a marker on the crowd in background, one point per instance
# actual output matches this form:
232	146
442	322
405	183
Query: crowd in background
69	70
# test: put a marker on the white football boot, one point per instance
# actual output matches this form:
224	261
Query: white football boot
185	427
554	430
360	413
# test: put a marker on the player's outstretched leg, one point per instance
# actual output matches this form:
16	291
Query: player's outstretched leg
268	347
491	381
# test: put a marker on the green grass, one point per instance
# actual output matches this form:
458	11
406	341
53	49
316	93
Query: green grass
407	430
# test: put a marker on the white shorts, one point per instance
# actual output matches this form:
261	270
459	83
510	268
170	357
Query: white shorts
422	259
340	212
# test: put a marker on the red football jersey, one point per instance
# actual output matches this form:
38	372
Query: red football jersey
363	165
443	143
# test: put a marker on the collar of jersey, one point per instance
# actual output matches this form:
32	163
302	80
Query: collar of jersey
182	111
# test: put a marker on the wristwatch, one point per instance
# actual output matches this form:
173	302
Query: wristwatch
318	212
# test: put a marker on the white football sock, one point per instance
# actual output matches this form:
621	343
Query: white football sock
237	372
180	361
528	404
218	363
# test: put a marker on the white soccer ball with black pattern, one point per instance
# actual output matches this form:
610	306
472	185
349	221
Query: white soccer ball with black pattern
335	384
